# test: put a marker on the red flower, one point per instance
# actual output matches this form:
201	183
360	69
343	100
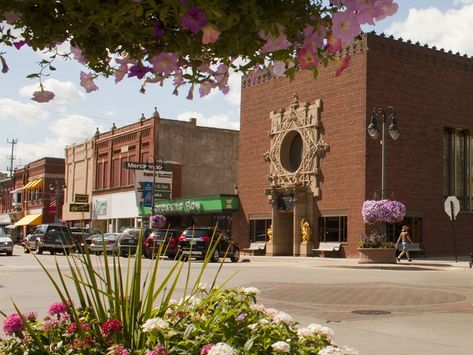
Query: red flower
111	326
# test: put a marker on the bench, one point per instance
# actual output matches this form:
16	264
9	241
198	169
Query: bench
328	248
417	248
256	248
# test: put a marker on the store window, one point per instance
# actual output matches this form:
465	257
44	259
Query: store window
333	228
258	229
415	229
458	166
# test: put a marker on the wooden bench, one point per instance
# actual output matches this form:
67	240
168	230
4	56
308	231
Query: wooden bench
327	248
256	248
417	248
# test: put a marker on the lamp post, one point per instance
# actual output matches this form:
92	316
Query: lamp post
383	114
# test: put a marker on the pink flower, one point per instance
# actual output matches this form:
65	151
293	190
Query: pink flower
387	8
119	350
190	94
307	57
206	348
278	68
13	324
120	72
164	63
11	17
206	87
111	326
158	350
42	96
57	308
157	29
343	66
210	34
274	44
194	19
314	37
345	26
333	45
77	52
87	82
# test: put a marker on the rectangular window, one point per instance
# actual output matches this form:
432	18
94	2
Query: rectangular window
415	229
458	166
258	229
333	229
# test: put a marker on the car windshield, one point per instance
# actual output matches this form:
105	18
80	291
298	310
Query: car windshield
197	233
131	233
162	233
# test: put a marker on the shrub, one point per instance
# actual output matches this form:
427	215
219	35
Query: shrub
374	240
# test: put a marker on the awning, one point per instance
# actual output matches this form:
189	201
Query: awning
32	184
31	219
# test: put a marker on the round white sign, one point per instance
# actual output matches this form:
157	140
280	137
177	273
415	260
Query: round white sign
452	206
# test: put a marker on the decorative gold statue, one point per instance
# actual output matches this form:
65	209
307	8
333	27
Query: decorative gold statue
306	231
269	232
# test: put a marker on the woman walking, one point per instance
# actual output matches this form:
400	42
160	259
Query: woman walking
404	239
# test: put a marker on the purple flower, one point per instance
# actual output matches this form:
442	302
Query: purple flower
241	317
383	211
4	65
194	19
19	44
157	30
57	308
42	96
164	63
138	70
78	55
87	82
13	324
158	220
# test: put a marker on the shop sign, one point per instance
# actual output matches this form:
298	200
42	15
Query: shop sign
81	198
79	207
180	207
146	186
101	207
207	204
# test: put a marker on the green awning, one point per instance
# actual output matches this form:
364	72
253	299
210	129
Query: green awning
194	206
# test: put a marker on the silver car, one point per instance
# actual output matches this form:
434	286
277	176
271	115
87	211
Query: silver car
6	244
109	241
50	237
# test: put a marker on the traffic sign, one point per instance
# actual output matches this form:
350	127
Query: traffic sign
452	207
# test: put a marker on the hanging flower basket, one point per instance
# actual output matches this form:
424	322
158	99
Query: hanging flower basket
388	211
158	221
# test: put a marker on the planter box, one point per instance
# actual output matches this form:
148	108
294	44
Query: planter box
377	255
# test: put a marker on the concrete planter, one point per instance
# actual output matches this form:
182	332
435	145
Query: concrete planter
377	255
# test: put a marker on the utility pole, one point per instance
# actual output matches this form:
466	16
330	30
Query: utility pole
12	156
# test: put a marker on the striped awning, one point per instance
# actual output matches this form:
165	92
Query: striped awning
32	184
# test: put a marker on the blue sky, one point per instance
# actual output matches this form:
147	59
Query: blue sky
45	129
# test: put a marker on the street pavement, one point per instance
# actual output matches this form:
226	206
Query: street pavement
422	307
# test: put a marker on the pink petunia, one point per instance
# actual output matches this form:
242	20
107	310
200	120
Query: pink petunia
307	57
158	350
157	30
190	94
87	82
164	63
314	37
206	348
194	19
278	68
120	72
210	34
13	324
57	308
387	8
333	44
343	66
138	70
345	26
78	55
42	96
274	44
206	87
19	44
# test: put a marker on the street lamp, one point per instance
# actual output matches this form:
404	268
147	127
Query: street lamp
383	114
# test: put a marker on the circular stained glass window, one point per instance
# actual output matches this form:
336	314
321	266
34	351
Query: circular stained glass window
291	151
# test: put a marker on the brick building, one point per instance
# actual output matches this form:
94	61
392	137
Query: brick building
305	152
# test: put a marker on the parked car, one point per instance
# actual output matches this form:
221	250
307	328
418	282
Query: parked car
168	238
195	242
107	240
128	240
80	235
6	243
50	237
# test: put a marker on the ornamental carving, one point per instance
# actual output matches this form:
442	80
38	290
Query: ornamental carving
296	146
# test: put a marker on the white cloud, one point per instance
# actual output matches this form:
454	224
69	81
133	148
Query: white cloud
463	2
450	29
66	92
27	115
109	113
219	121
73	128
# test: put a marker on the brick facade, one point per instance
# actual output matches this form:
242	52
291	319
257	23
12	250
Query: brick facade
429	89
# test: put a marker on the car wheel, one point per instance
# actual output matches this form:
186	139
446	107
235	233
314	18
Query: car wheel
215	256
235	256
26	250
66	251
52	252
98	253
38	249
9	253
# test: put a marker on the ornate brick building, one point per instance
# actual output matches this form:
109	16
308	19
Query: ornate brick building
305	152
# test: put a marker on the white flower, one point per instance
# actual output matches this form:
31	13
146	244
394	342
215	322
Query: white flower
154	324
263	321
258	307
191	301
331	350
314	329
253	326
283	318
250	291
221	349
281	347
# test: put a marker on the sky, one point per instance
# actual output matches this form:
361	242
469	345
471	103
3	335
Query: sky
43	130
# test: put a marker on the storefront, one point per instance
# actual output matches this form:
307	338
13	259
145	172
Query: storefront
198	211
113	212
